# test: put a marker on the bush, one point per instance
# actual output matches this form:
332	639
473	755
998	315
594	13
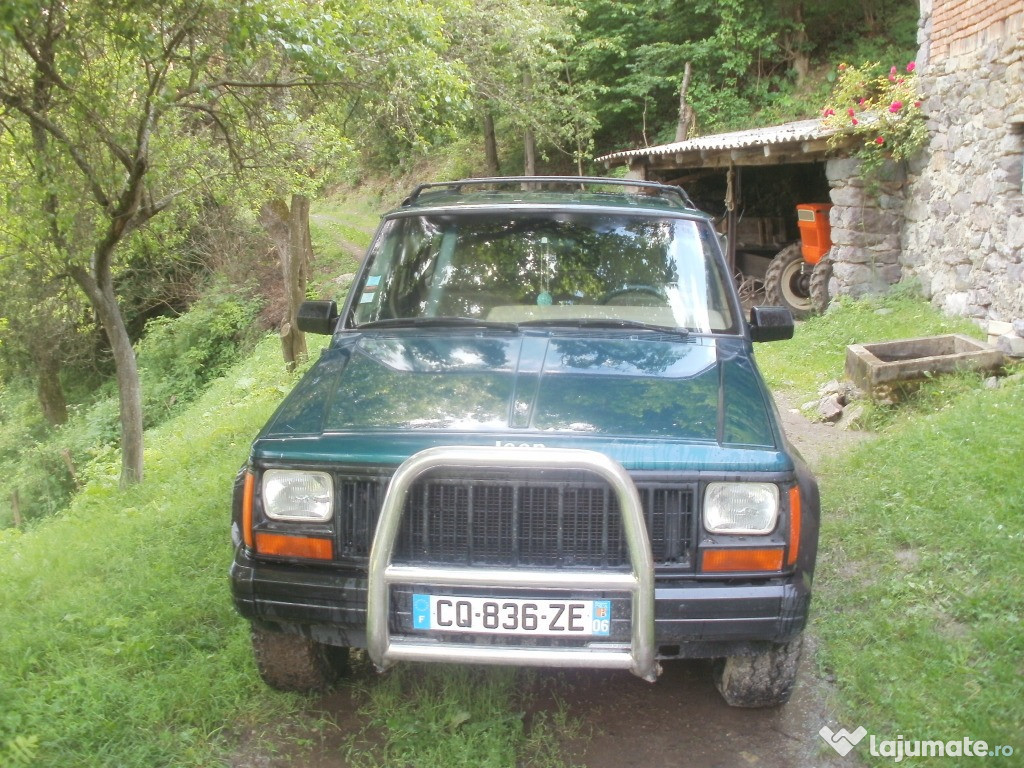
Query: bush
177	358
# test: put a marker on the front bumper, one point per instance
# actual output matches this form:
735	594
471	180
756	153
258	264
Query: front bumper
693	617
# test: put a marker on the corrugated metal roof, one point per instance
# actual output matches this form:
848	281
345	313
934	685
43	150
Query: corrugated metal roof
788	133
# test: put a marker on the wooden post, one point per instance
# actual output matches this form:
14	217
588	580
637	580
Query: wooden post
16	508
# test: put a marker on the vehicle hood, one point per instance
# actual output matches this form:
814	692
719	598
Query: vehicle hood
543	388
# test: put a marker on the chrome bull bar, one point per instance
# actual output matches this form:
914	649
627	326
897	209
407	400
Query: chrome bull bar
638	656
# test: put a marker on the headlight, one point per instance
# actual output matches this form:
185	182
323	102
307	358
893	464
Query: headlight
297	495
741	507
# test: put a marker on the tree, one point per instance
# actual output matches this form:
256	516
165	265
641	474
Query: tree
515	59
126	108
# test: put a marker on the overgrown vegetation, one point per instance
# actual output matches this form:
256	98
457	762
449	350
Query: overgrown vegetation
178	357
121	646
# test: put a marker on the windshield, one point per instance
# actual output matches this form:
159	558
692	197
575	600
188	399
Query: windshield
546	268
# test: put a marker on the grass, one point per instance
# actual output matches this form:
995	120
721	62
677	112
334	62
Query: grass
459	717
120	644
341	228
921	585
818	351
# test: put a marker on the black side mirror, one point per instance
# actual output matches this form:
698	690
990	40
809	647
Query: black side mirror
318	317
771	324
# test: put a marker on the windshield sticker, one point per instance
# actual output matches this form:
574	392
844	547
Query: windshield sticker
366	298
373	281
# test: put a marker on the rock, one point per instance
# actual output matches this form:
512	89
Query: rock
851	417
883	311
1018	327
998	328
830	410
992	382
1011	344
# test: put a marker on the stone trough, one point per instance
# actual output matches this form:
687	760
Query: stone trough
878	368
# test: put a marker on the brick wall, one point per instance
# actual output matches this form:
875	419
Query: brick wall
962	26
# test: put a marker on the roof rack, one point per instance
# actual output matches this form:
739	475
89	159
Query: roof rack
664	191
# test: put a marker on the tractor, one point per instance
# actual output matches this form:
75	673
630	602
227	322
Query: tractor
799	274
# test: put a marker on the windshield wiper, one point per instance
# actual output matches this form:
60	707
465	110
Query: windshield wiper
602	322
437	322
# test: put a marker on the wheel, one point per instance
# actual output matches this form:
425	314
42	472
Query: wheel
648	290
820	276
295	663
787	281
765	679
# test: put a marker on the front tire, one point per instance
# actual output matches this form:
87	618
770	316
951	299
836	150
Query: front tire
787	282
820	276
290	662
765	679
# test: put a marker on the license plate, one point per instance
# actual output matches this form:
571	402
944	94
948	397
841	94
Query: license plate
512	616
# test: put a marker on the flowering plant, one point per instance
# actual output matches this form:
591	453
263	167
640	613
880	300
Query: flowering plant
883	111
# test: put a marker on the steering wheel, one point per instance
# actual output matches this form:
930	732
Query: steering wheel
650	290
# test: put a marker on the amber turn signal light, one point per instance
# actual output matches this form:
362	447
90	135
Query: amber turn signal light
294	546
247	494
794	525
741	560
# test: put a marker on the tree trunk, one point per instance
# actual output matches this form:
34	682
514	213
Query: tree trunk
530	153
685	110
529	141
288	228
300	253
48	387
100	290
801	59
491	145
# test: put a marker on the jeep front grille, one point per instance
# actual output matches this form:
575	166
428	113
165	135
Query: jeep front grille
514	521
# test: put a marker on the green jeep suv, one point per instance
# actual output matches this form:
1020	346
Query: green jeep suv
537	437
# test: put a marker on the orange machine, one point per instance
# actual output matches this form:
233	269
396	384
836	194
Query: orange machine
815	232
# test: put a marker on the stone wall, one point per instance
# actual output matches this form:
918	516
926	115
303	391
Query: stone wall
866	220
964	232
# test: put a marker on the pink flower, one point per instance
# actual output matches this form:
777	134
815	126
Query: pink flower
892	75
892	71
850	112
901	81
828	113
895	107
911	67
853	120
879	140
842	67
861	101
917	104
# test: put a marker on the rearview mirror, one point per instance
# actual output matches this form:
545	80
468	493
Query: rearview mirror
771	324
318	317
